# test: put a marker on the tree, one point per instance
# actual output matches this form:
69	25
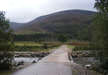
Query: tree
102	6
100	32
6	43
62	38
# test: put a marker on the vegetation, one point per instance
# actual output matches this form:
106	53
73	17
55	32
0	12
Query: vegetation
71	46
5	72
36	37
6	43
45	32
33	46
62	38
100	36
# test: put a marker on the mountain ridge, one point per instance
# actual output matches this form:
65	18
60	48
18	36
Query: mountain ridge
57	22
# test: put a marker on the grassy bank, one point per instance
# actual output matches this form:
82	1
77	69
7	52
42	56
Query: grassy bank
34	46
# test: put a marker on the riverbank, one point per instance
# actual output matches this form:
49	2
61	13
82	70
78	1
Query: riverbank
23	57
21	63
83	62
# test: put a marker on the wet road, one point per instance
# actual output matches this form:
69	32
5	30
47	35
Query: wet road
56	63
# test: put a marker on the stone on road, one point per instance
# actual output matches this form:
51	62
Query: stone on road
57	63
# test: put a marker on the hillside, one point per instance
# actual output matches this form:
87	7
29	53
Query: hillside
15	26
69	21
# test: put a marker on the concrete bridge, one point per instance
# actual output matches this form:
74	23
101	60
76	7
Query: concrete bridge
56	63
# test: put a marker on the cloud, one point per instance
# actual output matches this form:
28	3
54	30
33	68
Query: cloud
26	10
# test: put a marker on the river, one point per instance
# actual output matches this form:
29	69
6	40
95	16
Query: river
27	61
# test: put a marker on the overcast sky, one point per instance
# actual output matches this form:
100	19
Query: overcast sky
27	10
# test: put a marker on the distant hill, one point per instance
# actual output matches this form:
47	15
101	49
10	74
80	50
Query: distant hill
69	22
15	26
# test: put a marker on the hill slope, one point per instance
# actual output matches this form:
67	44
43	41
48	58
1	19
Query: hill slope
69	21
15	26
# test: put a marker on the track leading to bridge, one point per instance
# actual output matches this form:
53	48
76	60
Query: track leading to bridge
57	63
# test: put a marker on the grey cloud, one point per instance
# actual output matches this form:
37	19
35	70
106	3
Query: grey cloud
27	11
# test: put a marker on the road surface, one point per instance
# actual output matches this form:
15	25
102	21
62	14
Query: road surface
57	63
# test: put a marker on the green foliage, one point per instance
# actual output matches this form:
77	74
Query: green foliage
37	37
81	48
5	60
45	46
6	43
102	6
62	38
5	34
100	32
101	25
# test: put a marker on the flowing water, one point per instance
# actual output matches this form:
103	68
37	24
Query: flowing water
17	60
25	59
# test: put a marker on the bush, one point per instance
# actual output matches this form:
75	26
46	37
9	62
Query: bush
5	60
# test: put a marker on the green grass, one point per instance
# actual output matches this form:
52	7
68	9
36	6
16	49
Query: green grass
28	32
33	46
27	44
71	46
